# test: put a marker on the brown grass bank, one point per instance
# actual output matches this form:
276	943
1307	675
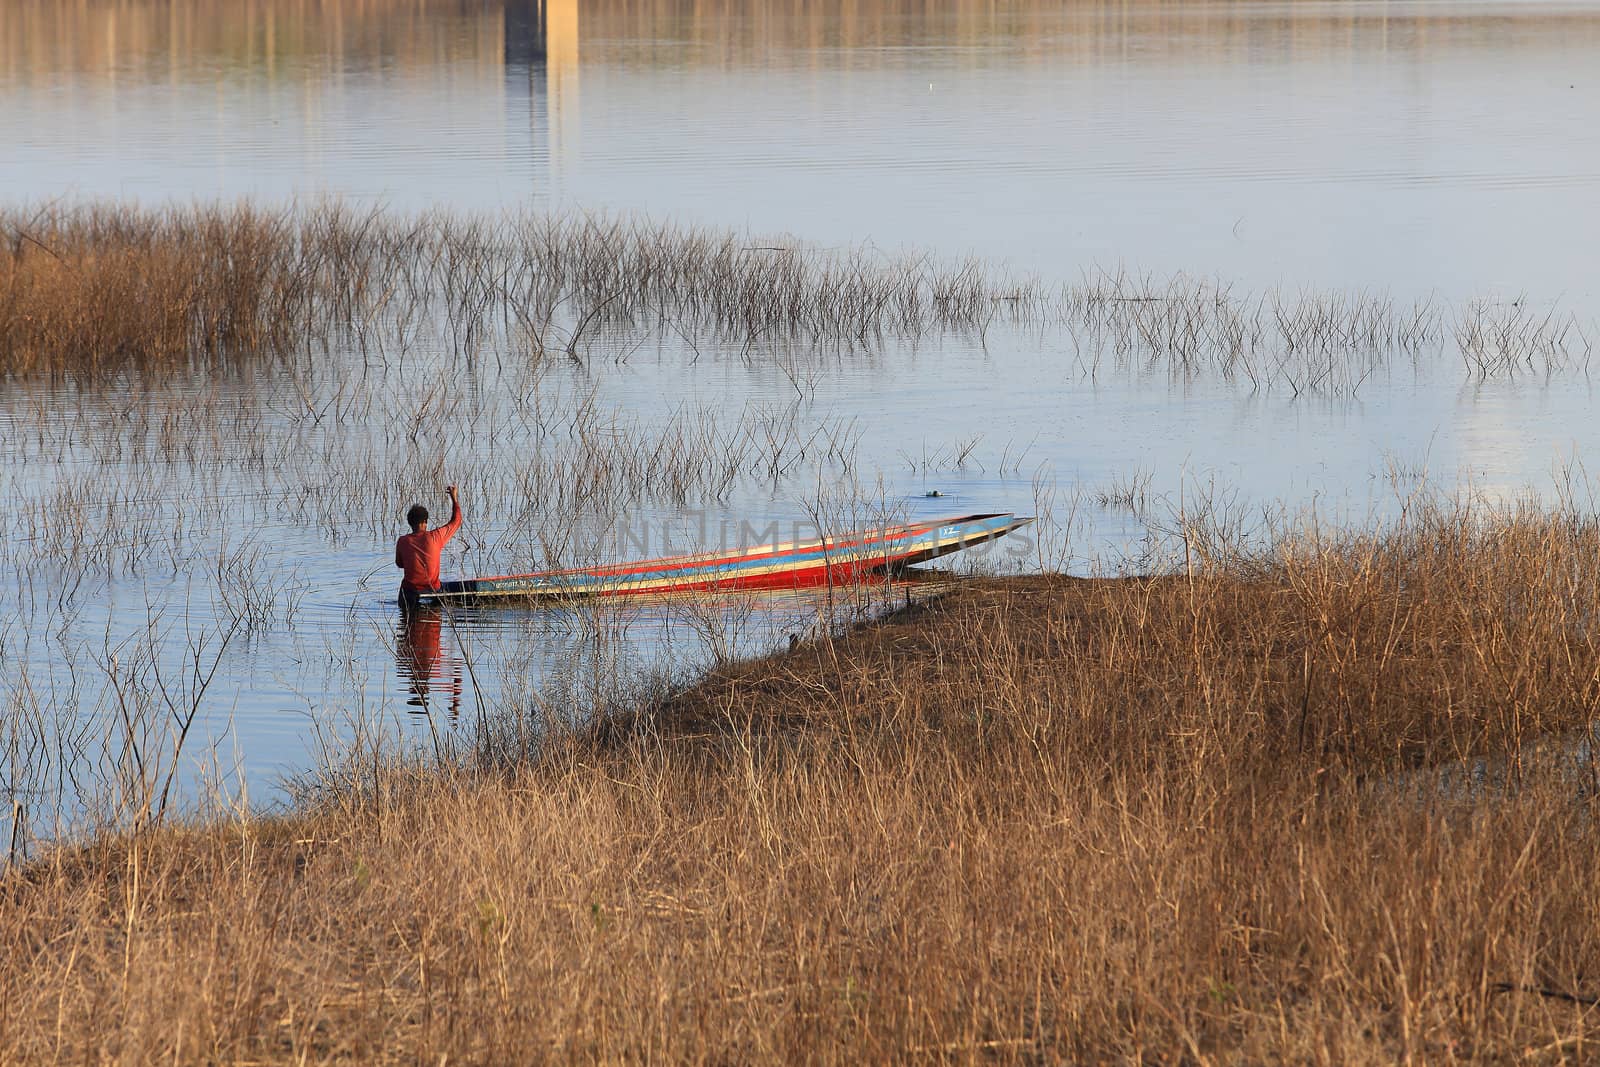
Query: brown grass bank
1049	820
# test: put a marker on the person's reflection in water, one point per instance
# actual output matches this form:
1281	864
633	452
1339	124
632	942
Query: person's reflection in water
428	669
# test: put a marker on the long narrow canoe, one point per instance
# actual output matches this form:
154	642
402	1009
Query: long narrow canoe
796	565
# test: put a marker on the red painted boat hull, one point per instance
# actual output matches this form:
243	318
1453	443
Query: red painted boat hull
841	560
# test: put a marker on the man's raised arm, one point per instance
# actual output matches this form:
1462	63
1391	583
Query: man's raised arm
454	524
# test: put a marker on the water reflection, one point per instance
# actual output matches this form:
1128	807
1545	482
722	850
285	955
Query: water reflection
1265	140
335	96
198	40
428	665
541	71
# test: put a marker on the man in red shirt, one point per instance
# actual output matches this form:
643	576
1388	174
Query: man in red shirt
417	553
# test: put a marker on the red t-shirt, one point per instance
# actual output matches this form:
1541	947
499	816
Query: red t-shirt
418	554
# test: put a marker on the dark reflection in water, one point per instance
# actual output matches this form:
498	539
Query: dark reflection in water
199	40
429	668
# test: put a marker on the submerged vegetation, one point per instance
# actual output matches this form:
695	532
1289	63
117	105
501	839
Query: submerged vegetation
1330	800
98	290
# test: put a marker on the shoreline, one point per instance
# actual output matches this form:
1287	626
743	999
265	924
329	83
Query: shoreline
1061	818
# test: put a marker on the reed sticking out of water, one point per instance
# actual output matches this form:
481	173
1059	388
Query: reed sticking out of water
97	290
1212	815
101	289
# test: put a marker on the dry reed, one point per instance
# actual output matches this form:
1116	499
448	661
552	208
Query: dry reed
100	290
1209	816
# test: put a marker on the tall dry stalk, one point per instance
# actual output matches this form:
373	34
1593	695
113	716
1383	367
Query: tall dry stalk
98	290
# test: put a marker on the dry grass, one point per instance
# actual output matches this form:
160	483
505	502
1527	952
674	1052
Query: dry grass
96	290
99	289
1197	818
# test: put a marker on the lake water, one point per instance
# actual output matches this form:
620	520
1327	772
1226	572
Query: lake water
1431	151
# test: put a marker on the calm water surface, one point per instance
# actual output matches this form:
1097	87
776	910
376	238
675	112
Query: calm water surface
1439	150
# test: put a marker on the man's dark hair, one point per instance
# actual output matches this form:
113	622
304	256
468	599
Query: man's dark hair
417	515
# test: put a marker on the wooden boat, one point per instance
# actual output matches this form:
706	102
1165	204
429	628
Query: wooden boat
797	565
